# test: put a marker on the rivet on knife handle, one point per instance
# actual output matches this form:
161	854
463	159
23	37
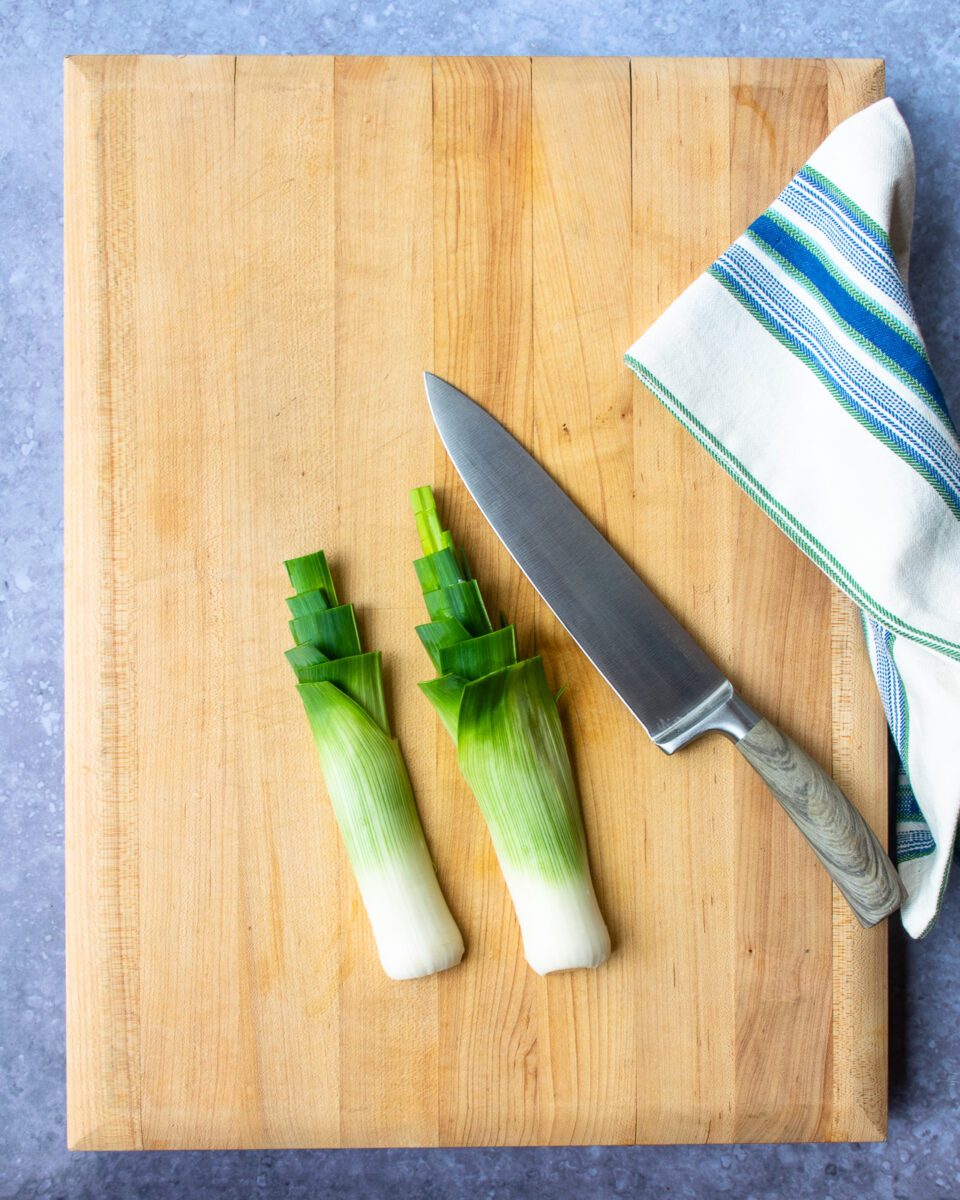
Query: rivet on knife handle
838	834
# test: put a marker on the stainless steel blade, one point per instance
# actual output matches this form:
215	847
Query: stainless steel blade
656	668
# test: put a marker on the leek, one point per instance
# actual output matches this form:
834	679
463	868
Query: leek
342	691
504	722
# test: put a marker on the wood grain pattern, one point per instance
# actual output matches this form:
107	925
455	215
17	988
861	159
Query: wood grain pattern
783	987
186	560
384	321
102	852
482	281
584	415
284	241
859	1099
263	254
685	975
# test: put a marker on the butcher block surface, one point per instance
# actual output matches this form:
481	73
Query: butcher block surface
263	256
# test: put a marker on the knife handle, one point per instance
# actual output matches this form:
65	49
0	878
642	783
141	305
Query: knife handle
839	836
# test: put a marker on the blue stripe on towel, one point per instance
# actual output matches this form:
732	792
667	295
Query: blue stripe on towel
914	843
865	396
825	215
913	836
886	339
826	187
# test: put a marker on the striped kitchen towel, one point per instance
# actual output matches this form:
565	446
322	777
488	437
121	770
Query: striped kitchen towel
797	362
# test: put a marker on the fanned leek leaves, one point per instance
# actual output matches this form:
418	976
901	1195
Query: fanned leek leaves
342	692
504	722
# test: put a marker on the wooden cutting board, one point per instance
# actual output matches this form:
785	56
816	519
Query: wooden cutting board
263	255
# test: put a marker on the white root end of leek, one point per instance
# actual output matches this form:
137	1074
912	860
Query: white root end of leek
560	922
412	926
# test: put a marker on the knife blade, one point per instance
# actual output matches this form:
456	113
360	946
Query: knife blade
666	679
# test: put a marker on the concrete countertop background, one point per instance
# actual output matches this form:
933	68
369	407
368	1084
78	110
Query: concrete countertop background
921	43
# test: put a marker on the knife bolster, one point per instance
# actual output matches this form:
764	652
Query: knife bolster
722	712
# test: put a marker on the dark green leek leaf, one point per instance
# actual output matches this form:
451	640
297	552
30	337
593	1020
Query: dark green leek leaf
359	676
311	572
308	602
438	570
461	601
305	655
444	694
334	631
437	634
480	655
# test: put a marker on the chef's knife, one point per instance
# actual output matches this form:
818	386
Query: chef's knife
667	681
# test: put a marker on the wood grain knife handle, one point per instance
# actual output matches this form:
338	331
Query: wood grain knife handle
840	837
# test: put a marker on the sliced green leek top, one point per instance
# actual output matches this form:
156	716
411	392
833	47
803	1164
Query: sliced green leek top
333	631
479	656
358	677
327	640
311	573
459	636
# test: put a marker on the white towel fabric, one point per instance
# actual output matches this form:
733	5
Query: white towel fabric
797	362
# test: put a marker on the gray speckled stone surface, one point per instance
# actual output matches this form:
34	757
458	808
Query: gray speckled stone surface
921	42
